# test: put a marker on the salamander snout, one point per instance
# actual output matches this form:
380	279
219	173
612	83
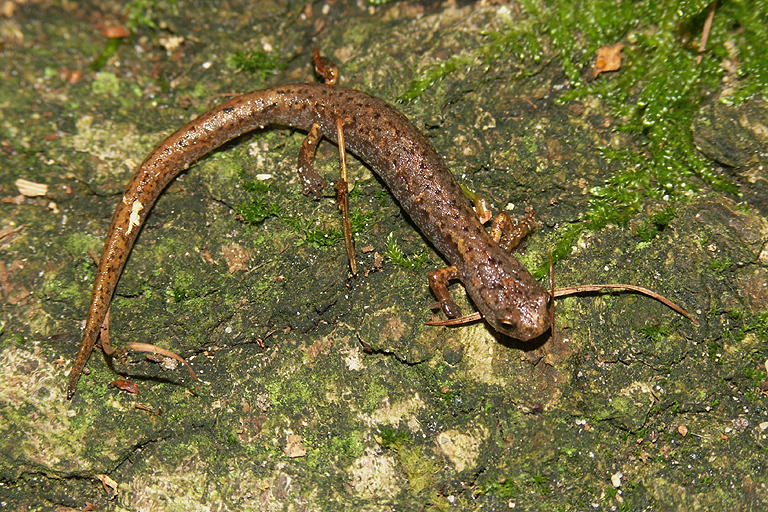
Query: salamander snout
530	319
510	299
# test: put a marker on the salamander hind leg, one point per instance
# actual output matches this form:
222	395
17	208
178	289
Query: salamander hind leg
508	234
482	209
312	182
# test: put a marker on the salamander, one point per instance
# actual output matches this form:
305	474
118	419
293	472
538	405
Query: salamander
504	292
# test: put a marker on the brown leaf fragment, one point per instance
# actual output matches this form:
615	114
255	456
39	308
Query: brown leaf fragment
8	232
30	188
114	31
7	8
608	59
110	486
125	385
294	447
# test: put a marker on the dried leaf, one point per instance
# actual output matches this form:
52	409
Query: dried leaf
294	447
30	188
125	385
114	31
608	59
110	486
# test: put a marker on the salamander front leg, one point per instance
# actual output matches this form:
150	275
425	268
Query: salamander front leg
438	281
325	67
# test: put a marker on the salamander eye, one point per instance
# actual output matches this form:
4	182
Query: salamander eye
509	324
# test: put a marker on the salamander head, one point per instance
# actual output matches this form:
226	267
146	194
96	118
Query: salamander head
510	299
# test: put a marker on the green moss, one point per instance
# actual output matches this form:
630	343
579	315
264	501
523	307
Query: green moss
323	238
759	325
656	332
431	76
107	84
754	374
748	20
540	483
418	468
748	330
257	211
255	186
505	488
720	265
181	293
297	392
647	230
656	92
393	439
351	445
259	208
359	220
566	239
520	39
375	392
146	13
110	49
80	244
396	255
255	62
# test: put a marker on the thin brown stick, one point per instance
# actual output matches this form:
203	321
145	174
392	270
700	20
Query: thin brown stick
152	349
562	292
147	408
705	31
573	290
474	317
106	346
342	196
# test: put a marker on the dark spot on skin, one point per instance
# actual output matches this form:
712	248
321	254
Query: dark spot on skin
228	110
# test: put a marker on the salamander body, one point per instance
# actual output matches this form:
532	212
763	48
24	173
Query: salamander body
509	298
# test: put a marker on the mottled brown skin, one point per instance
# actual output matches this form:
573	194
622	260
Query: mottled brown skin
511	301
